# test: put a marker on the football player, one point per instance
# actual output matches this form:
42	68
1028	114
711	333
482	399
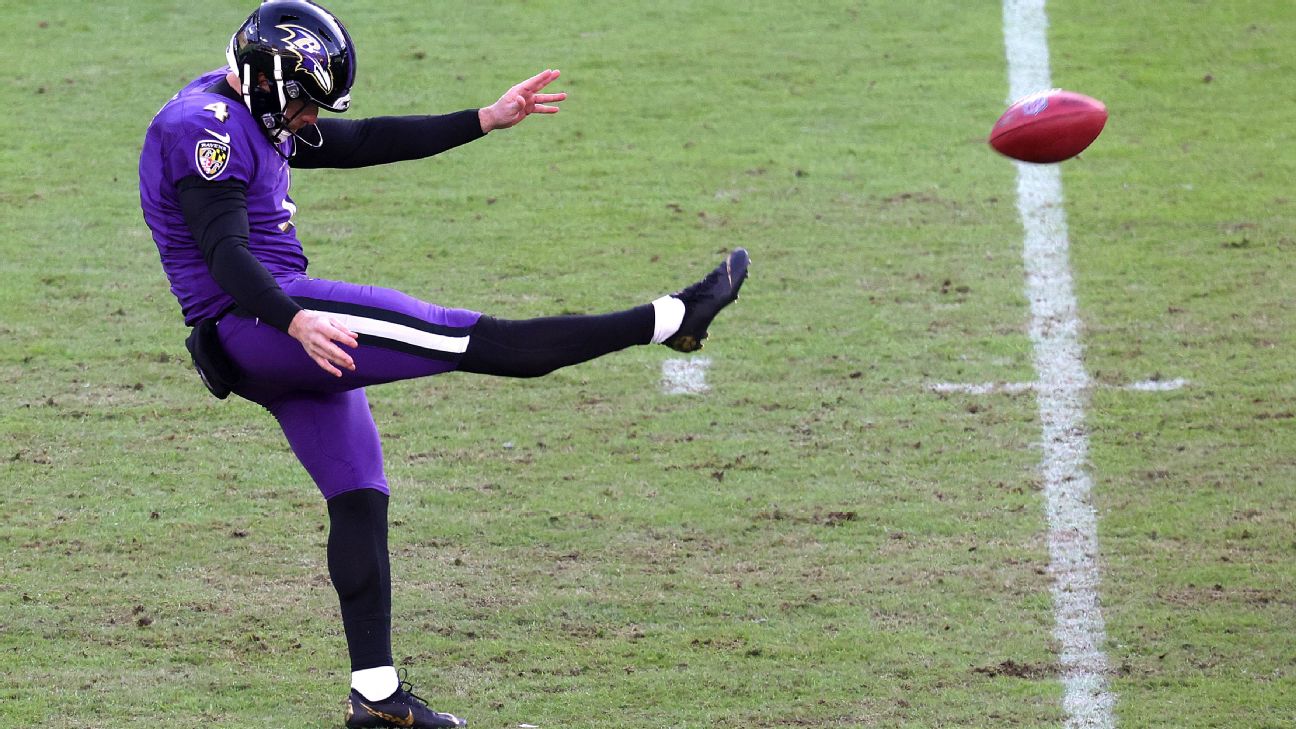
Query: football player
214	181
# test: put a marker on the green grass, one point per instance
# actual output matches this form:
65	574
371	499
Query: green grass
818	541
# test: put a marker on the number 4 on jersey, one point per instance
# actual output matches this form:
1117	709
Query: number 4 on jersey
218	110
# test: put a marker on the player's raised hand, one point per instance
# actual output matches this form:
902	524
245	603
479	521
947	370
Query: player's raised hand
318	332
521	101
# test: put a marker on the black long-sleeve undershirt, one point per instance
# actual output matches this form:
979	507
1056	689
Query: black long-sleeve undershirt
381	140
216	213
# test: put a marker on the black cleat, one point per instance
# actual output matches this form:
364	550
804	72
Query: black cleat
704	299
401	709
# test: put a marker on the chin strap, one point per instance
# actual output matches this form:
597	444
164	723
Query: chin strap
319	137
281	135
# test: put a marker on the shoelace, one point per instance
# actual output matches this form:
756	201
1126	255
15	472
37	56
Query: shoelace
408	688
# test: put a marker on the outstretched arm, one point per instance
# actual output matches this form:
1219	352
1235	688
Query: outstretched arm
382	140
387	139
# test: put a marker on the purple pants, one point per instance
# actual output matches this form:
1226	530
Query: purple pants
325	418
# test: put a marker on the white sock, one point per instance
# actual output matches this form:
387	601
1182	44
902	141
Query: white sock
375	684
669	314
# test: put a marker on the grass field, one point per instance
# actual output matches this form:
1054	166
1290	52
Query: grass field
820	540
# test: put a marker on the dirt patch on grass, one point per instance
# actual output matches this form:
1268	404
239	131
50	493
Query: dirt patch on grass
1192	595
817	516
1013	669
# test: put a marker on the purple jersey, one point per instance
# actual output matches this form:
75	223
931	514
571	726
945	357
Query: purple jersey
211	136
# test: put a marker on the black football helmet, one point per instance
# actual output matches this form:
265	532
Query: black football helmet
303	51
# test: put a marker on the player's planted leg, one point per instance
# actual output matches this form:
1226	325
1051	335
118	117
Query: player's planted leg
704	299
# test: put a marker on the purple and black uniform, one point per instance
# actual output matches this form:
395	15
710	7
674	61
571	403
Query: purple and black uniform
206	135
215	172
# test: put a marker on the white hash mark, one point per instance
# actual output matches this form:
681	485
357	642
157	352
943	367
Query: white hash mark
685	376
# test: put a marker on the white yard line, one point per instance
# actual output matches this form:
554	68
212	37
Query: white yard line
685	376
1061	393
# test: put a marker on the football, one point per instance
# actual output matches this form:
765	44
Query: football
1048	126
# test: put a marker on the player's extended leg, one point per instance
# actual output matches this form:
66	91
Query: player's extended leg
402	337
536	347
